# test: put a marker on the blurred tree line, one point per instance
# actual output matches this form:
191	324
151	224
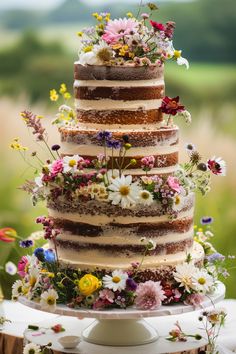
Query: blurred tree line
206	28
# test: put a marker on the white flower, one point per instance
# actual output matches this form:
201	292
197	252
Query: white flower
33	277
38	180
183	61
112	174
48	300
187	116
184	275
123	191
145	197
117	281
178	202
202	281
17	288
32	348
99	54
70	163
10	268
149	243
65	108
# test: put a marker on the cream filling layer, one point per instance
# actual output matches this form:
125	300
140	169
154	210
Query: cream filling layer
121	127
94	150
103	219
113	239
119	83
154	171
91	259
108	104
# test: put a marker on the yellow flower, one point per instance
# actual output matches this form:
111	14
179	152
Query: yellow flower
95	14
67	95
123	50
99	18
80	34
63	88
54	95
129	14
131	55
117	46
177	54
101	26
88	48
88	284
107	18
15	145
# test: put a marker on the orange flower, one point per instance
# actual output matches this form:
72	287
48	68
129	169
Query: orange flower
7	234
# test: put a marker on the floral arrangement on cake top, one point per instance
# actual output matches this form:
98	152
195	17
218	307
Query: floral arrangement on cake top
47	282
132	40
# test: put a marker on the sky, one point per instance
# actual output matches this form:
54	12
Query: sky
47	4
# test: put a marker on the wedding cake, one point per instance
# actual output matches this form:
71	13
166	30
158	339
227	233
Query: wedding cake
119	228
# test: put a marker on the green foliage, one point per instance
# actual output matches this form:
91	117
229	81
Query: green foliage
32	60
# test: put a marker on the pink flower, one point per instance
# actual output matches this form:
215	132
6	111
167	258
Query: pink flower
144	15
194	300
149	295
57	167
22	264
107	294
173	183
117	29
157	26
147	163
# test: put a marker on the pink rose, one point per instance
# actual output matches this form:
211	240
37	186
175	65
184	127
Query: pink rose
57	167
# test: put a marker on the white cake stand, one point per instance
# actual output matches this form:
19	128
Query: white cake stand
117	327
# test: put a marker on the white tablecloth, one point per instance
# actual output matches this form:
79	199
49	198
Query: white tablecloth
21	316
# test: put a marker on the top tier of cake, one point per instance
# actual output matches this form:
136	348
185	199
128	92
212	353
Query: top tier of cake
123	100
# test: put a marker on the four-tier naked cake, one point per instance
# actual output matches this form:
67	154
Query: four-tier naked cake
126	101
120	207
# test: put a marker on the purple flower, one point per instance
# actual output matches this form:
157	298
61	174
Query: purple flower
131	284
55	147
26	243
206	220
104	135
215	257
113	144
149	295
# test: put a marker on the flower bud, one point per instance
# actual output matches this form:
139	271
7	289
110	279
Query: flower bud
127	146
202	167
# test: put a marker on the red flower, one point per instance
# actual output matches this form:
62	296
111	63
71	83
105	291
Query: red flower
7	234
171	105
217	166
58	328
157	26
169	29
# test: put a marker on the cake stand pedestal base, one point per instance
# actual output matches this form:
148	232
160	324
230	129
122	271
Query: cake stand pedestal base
120	332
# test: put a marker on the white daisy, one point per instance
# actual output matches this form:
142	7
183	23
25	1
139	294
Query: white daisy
202	281
70	163
123	191
180	60
32	348
145	197
178	202
10	268
112	174
48	300
117	281
17	288
99	54
184	275
33	276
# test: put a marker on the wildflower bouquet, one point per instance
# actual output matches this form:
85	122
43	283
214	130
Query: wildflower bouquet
132	40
